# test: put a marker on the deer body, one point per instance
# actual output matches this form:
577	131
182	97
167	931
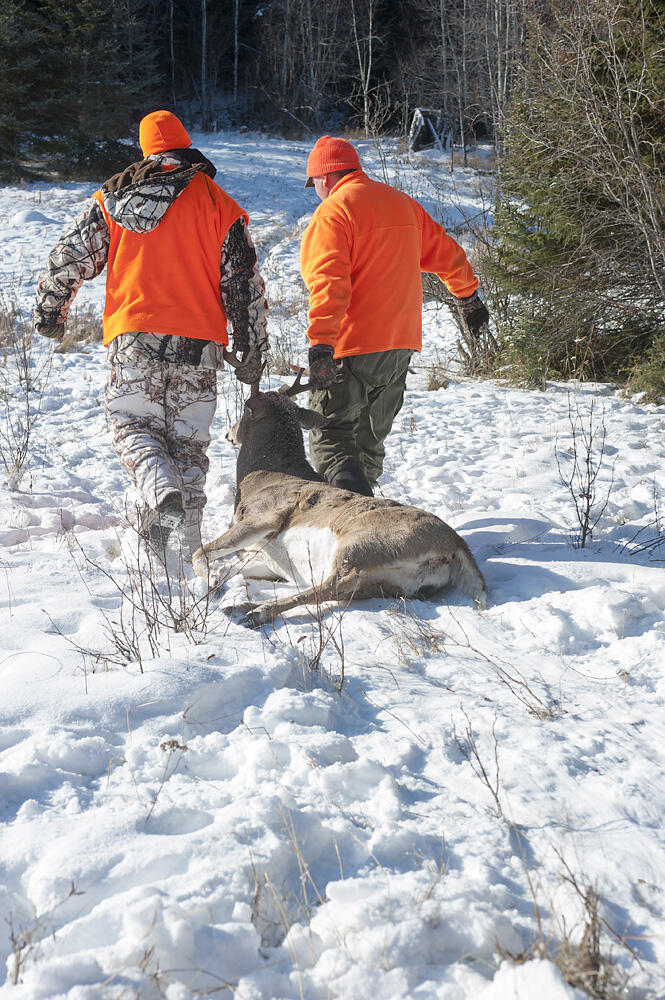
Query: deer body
333	544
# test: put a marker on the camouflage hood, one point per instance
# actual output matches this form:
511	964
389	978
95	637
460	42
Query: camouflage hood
139	196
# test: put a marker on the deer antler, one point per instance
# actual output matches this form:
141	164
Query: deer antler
248	360
297	386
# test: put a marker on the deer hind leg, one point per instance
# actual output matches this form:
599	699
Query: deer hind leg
335	588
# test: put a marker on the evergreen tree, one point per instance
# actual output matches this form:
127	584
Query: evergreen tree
578	256
74	78
20	59
101	74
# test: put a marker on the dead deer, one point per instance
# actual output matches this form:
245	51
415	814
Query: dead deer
332	544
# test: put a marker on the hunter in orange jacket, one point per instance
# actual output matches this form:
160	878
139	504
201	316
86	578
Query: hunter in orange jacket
361	258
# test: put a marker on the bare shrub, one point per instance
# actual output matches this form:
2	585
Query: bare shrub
649	538
579	466
23	378
412	636
25	940
581	960
156	600
476	354
288	897
415	636
321	651
170	748
489	775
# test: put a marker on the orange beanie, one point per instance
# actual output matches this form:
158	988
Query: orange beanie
160	131
330	155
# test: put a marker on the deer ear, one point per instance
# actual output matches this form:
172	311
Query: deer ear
310	418
232	433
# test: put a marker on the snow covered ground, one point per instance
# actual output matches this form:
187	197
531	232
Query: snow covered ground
386	802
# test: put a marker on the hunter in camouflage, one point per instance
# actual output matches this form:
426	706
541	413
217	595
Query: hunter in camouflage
180	264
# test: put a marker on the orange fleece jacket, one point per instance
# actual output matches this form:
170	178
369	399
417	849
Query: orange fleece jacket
361	258
167	281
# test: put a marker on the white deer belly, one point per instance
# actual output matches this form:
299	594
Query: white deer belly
411	575
305	555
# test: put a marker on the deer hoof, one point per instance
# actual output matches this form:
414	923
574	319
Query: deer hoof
252	619
244	614
254	615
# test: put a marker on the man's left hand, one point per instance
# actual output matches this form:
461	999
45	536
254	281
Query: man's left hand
249	366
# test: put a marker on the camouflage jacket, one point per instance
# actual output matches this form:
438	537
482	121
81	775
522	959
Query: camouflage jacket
137	199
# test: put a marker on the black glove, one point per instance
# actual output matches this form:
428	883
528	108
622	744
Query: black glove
54	331
249	366
323	370
473	313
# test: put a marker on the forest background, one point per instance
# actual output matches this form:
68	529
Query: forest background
571	250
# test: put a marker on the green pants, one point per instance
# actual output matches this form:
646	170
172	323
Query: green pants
360	411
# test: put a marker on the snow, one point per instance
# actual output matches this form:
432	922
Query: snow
386	803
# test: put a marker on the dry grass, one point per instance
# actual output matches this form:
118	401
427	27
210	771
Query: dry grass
581	962
84	326
10	320
437	375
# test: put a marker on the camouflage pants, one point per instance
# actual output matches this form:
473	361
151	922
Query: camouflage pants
160	416
360	411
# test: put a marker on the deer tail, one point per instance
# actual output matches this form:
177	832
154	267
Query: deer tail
468	577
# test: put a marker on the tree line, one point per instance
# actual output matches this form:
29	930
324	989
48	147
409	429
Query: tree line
571	92
74	75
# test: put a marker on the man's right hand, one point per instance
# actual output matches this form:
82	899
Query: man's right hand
323	370
474	313
54	331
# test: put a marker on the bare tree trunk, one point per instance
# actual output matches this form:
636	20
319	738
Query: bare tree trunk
504	29
285	49
309	36
364	52
444	71
462	80
235	52
204	70
172	56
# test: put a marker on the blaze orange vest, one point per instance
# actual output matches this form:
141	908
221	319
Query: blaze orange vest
167	281
361	258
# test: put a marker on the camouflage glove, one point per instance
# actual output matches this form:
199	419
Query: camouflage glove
249	366
473	313
54	331
323	370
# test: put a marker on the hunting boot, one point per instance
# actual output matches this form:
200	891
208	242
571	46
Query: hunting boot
350	476
163	520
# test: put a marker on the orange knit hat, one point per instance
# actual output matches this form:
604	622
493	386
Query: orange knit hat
160	131
330	155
